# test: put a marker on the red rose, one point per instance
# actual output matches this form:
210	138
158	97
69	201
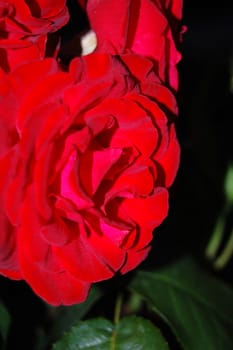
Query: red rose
85	169
143	27
24	26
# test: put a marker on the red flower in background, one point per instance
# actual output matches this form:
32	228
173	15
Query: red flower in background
144	27
24	26
85	152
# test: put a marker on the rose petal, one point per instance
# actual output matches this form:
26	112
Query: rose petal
155	208
134	258
71	187
111	32
95	165
91	258
171	159
54	288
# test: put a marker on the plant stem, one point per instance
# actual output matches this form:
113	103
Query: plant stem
118	306
117	315
226	254
216	237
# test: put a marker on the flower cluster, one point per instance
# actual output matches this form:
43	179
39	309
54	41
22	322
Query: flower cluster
88	150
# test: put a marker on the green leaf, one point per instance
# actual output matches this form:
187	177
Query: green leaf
136	333
197	307
228	185
4	322
131	333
